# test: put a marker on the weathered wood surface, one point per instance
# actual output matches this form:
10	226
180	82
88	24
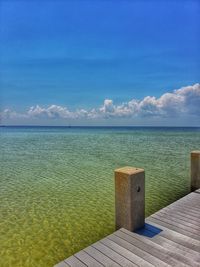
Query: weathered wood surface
129	198
198	191
195	170
171	237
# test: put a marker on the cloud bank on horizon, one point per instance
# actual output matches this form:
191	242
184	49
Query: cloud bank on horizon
182	103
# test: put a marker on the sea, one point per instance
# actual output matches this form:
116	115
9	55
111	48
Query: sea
57	184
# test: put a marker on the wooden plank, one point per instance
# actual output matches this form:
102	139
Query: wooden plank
74	262
178	244
190	202
178	223
194	205
187	212
175	228
191	198
108	251
188	207
127	250
87	259
192	257
191	205
197	191
179	238
182	215
191	195
179	218
161	249
151	247
61	264
147	258
99	256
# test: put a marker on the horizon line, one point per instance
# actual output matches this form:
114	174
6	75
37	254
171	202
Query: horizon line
101	126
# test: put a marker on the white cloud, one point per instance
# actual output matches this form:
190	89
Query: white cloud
107	107
52	111
10	114
184	101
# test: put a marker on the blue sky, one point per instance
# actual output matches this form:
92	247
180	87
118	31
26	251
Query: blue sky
78	54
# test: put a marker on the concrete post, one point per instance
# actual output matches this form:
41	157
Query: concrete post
130	198
195	170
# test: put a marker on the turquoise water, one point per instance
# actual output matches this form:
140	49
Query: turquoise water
57	187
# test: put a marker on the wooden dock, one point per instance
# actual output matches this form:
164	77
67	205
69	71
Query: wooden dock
169	237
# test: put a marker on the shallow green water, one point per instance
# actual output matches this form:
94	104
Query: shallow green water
57	188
